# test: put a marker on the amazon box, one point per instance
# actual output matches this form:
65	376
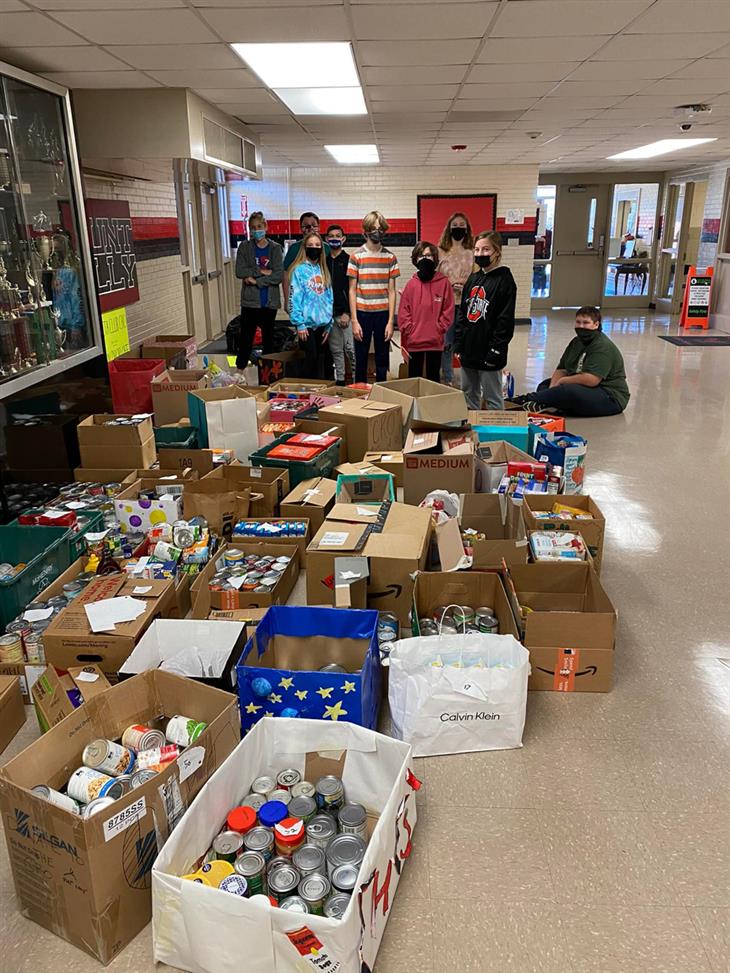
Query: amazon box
370	425
270	482
424	404
310	500
570	628
88	879
12	711
170	393
437	460
116	447
433	590
592	531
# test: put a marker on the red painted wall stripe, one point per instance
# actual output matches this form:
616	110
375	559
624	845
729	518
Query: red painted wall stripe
155	228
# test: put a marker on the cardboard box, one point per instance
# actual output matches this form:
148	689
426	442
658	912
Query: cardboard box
501	521
305	387
170	393
434	460
221	505
94	885
12	711
593	531
310	500
84	474
69	641
571	630
178	350
390	462
370	426
245	599
301	542
116	447
318	427
200	461
280	365
26	675
348	392
51	697
216	644
491	463
394	555
135	514
52	444
368	488
506	426
424	404
434	590
273	483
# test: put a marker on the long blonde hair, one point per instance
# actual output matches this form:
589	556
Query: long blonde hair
301	257
446	243
495	239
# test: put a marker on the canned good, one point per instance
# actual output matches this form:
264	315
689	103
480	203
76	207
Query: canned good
280	795
251	865
344	878
138	737
263	785
288	779
71	590
309	859
272	812
315	890
235	884
183	730
336	905
276	862
260	840
108	757
11	649
303	789
289	835
126	781
183	535
303	807
294	903
255	801
35	652
486	622
93	807
388	627
57	798
140	777
353	819
462	615
227	845
157	759
241	819
332	667
330	793
428	626
345	849
86	784
283	881
320	830
232	557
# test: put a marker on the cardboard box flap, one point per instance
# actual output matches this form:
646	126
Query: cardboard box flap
338	538
316	492
499	451
498	418
421	441
457	442
450	547
355	513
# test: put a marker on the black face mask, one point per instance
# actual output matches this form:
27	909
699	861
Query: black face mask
483	261
426	269
458	232
586	335
313	253
375	236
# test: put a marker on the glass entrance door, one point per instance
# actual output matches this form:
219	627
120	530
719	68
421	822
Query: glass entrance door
631	245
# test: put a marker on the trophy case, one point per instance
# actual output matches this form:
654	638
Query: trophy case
48	313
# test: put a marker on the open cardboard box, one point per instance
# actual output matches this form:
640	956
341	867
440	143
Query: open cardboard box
570	631
300	542
221	505
310	500
501	521
424	404
435	590
140	514
93	889
593	531
269	481
12	711
491	463
506	426
370	426
116	447
180	348
390	462
437	460
201	461
245	599
55	697
368	488
170	393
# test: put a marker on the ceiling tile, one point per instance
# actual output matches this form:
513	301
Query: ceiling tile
171	57
565	18
200	78
19	28
611	92
409	21
258	3
101	79
411	92
413	74
683	91
630	47
412	106
520	89
271	24
274	125
664	16
6	6
627	70
54	5
84	58
416	52
521	72
147	26
706	68
500	104
514	50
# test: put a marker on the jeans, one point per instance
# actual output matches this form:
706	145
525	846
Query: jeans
577	400
342	346
447	356
373	324
252	318
478	385
317	357
430	359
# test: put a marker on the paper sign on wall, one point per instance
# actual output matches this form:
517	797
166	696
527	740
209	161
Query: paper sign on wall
116	333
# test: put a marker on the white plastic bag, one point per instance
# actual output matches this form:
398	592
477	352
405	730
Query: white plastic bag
458	693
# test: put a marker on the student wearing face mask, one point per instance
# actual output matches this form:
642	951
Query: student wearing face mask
426	312
456	260
311	305
590	380
373	271
341	341
308	223
485	324
259	264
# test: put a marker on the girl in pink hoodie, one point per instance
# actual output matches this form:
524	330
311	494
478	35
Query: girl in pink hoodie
425	313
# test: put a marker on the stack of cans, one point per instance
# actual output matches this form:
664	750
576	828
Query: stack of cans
248	572
270	528
457	619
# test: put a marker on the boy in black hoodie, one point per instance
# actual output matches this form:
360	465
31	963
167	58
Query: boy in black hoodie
341	340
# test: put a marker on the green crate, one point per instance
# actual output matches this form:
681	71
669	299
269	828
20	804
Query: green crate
46	554
89	520
321	465
185	437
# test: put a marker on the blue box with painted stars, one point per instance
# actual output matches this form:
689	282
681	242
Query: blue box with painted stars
279	672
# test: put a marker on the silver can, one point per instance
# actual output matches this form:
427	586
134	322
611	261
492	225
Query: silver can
288	779
141	777
345	849
280	795
108	757
227	846
57	798
86	784
251	865
260	840
263	785
95	806
336	905
309	859
126	781
276	862
303	789
303	807
256	801
344	878
353	819
315	889
486	621
321	830
330	793
138	737
294	903
283	882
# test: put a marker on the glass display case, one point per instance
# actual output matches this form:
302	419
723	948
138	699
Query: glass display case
48	313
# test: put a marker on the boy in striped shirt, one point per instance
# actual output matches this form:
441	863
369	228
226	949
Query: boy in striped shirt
372	271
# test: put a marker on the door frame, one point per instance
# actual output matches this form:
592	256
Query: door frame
673	304
634	300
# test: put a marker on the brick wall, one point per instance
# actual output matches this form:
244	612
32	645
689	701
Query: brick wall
348	192
715	176
161	307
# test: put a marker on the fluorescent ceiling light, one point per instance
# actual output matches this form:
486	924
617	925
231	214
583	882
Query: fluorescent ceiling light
316	65
662	147
323	101
354	154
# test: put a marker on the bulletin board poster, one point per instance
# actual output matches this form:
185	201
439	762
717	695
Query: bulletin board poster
116	333
435	210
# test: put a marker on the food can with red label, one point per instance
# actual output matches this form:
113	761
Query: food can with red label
137	737
157	759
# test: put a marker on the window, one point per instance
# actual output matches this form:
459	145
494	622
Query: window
633	215
541	267
590	236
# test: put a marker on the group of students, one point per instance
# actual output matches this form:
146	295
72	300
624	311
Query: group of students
459	303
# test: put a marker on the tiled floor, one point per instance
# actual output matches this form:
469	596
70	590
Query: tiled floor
603	846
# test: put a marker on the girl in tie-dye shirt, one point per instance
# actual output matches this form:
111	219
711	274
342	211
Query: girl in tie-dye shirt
311	306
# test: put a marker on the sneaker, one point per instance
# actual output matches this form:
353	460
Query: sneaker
529	405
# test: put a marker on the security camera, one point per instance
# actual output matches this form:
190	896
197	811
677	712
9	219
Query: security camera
685	126
534	135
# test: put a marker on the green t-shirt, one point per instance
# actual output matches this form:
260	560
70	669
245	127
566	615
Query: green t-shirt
291	254
599	357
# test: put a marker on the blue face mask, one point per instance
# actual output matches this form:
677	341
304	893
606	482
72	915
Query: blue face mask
335	243
259	234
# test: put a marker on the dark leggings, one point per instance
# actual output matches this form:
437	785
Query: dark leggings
317	357
252	318
432	361
576	400
373	324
